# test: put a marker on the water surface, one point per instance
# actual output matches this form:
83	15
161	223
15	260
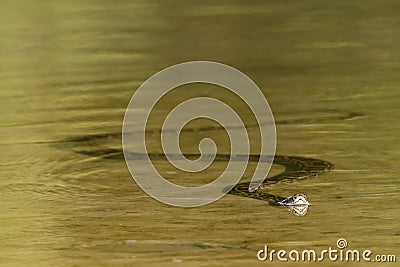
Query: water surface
70	69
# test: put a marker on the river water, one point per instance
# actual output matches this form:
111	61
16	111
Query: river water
328	70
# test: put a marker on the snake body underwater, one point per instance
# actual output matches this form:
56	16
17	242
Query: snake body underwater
296	168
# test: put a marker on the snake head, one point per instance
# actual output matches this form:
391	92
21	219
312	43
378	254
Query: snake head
297	204
296	200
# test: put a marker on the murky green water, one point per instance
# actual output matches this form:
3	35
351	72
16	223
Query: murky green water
70	69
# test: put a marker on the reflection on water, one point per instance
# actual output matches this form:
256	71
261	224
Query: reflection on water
70	69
